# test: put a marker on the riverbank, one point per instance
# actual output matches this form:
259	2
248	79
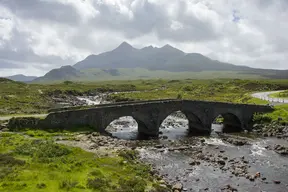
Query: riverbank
29	164
224	162
177	159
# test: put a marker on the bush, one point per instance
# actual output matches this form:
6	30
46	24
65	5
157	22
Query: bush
135	184
98	183
129	155
43	151
260	118
16	124
8	160
159	188
7	163
187	88
41	185
68	184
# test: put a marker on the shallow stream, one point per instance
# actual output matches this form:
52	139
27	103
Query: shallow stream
174	165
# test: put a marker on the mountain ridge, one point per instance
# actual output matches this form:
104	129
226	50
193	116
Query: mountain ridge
60	74
166	58
21	78
120	63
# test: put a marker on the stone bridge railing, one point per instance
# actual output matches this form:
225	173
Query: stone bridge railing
150	114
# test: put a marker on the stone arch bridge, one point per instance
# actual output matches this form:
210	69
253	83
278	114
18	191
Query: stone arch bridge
150	114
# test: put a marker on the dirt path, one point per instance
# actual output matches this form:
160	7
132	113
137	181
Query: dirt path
265	96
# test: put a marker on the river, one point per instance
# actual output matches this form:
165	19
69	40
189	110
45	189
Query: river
175	165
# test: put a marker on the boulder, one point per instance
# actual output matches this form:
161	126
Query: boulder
177	187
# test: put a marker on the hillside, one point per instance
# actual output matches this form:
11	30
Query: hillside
21	78
61	74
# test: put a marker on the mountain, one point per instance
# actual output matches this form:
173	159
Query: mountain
127	63
61	74
166	58
21	78
126	56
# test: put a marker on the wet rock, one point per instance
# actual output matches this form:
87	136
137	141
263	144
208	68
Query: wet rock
177	187
228	188
5	130
221	162
165	137
193	163
257	175
159	146
237	142
251	177
280	149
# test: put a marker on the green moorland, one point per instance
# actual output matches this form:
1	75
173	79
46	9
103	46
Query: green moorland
33	161
20	98
43	165
282	94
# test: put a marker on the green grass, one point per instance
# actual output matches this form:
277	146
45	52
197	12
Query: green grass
42	165
140	73
224	90
282	94
280	115
19	98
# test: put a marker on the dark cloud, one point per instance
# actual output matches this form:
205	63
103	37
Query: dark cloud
8	64
43	10
18	49
49	33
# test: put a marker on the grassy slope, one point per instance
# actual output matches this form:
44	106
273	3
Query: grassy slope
41	165
20	98
283	94
33	98
237	91
140	73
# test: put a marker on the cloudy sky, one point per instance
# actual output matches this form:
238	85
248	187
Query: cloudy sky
39	35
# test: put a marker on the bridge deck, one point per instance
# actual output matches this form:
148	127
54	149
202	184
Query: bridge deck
142	102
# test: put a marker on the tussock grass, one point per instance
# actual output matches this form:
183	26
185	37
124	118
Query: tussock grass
42	165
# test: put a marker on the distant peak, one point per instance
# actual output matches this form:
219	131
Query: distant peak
66	67
125	45
168	46
148	47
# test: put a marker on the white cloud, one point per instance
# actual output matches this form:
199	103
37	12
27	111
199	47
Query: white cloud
51	33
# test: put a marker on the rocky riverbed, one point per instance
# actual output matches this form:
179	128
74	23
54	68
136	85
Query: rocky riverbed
221	162
66	100
218	163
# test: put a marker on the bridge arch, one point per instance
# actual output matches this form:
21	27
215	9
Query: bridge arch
230	122
124	127
195	125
